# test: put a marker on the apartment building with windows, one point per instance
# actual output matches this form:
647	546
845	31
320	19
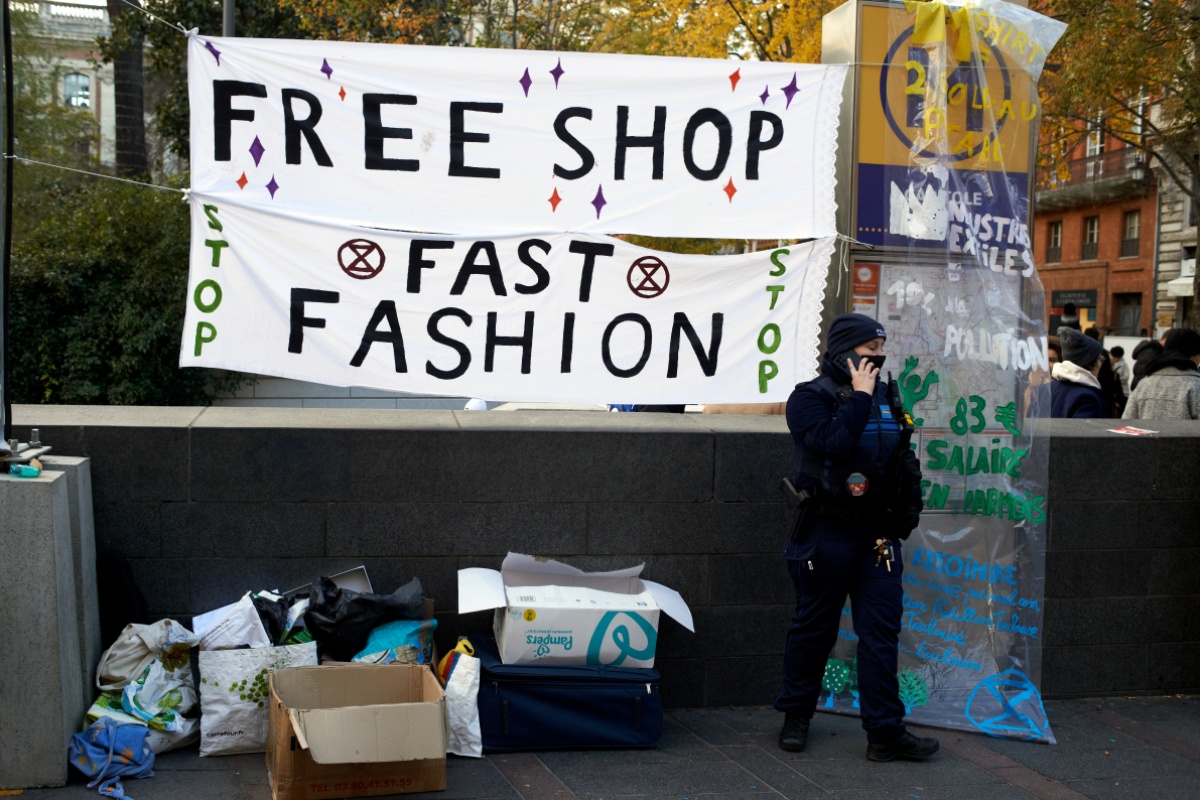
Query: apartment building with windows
1094	239
68	31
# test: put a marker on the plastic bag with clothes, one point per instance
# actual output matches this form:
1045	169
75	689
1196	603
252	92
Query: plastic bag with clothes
403	641
132	651
340	620
108	704
166	689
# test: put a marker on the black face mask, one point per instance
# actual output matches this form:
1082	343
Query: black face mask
856	359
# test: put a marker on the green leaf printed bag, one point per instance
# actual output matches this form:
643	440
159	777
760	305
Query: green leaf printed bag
233	695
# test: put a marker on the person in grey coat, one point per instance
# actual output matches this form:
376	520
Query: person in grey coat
1171	386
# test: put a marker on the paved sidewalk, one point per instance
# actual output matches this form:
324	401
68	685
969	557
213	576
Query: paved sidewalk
1110	748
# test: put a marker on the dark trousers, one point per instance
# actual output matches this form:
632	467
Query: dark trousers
843	565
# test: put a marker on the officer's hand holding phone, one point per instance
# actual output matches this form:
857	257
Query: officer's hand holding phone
862	374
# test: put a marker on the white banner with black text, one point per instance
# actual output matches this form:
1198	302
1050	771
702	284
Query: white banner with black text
548	318
495	142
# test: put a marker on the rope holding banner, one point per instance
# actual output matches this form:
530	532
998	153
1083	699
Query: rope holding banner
94	174
154	18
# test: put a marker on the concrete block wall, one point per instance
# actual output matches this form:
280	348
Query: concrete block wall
78	473
1121	566
207	503
40	661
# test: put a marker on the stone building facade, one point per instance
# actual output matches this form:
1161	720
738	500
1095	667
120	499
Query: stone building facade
1177	214
68	31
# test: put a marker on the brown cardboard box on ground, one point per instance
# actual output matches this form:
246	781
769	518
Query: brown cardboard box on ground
355	731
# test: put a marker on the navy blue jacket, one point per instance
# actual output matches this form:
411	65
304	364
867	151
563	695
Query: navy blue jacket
859	436
1075	400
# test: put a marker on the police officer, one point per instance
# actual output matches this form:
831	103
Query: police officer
852	455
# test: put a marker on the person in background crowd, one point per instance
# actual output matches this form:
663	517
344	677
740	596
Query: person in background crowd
1054	350
1076	389
1070	317
850	452
1112	398
1037	393
1093	332
1143	354
1170	388
1121	368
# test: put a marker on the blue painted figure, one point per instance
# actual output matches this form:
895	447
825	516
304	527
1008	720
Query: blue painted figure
852	456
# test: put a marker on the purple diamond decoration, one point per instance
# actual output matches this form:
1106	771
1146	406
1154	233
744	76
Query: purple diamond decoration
766	93
257	150
557	72
526	81
272	187
790	91
328	70
216	53
599	202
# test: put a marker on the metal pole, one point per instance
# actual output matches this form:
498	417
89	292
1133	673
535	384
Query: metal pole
6	175
227	24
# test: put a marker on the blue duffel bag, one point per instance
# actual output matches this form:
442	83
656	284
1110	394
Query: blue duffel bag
571	707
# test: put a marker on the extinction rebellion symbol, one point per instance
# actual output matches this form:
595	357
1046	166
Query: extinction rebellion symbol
361	258
648	277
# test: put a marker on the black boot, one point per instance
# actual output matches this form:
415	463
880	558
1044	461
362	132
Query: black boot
914	748
794	734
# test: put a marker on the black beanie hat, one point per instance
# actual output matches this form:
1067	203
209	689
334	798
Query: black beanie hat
1079	349
847	331
1184	341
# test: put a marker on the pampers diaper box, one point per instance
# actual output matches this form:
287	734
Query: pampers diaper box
547	612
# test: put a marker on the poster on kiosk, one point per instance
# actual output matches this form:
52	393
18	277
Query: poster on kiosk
943	127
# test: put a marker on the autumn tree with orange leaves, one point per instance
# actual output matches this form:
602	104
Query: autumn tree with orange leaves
1128	69
745	29
409	22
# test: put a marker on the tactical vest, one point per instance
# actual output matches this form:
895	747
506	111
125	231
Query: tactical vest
831	477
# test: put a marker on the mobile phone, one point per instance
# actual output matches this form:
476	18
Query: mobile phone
856	360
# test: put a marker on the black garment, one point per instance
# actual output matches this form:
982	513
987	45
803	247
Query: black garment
1169	358
840	563
1112	396
1143	354
842	435
850	330
848	450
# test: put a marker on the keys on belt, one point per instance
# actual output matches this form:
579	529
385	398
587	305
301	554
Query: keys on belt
884	553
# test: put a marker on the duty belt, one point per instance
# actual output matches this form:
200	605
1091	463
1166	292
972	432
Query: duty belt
834	514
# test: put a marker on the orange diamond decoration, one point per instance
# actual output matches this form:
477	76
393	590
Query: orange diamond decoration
734	78
555	200
730	189
342	93
242	181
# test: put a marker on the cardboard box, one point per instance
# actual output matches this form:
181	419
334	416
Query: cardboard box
550	612
355	731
